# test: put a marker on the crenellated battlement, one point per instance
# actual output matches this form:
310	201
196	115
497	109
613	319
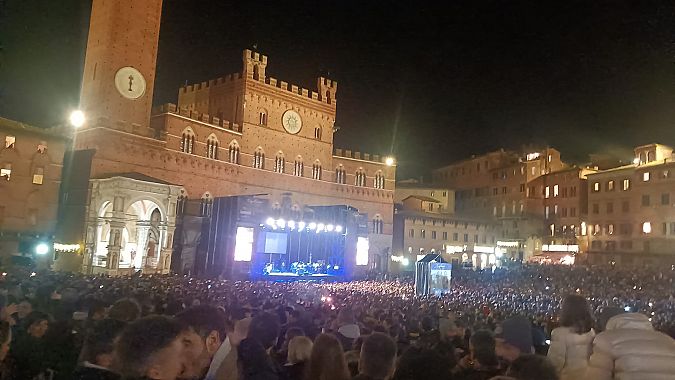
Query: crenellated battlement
210	83
254	68
345	153
197	116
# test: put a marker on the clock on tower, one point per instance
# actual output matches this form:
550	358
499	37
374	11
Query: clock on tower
119	68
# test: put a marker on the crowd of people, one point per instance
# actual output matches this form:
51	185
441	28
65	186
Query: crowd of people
530	322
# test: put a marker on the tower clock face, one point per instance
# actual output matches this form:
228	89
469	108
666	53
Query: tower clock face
130	82
291	122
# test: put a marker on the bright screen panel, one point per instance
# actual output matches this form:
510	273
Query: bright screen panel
362	247
243	246
275	243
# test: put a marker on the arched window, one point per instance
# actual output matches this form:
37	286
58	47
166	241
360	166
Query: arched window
181	202
256	72
360	177
187	142
316	170
317	133
379	180
279	162
378	224
212	147
234	152
328	96
340	175
262	116
299	167
205	204
259	158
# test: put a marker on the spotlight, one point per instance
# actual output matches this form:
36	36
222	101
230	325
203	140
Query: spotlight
626	309
338	228
405	261
301	225
77	118
281	223
42	249
312	226
389	161
291	224
330	228
270	222
319	227
337	267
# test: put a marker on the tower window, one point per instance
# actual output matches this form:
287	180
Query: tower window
10	141
379	180
38	175
234	152
360	178
259	159
187	142
6	172
279	163
212	147
205	205
299	167
262	117
340	175
316	170
317	133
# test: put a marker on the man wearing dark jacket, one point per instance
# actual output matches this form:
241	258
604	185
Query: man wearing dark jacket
97	352
378	358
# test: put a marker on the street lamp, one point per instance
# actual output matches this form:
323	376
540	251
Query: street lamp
77	118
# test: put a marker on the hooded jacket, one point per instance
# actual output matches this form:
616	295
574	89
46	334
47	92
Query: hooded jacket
630	349
569	352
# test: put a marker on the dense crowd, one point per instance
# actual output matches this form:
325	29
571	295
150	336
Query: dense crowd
529	322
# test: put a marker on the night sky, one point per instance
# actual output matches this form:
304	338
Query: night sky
430	82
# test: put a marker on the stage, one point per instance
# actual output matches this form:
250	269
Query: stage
290	276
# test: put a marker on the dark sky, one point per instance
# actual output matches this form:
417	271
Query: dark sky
432	81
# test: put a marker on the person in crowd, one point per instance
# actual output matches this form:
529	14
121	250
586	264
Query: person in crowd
419	363
29	351
125	310
629	348
532	367
282	354
96	356
378	358
255	362
347	328
352	359
228	367
482	362
514	338
150	348
205	331
299	352
5	339
327	360
607	313
571	343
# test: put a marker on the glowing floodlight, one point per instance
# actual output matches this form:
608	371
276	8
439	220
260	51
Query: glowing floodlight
312	226
330	228
338	228
301	225
77	118
320	227
270	222
281	223
291	224
389	161
42	249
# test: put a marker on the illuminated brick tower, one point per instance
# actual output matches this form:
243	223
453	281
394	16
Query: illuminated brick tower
119	68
